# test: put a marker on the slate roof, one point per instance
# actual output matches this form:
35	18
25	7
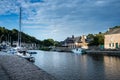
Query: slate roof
77	39
72	40
113	31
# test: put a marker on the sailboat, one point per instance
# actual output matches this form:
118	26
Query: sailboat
22	51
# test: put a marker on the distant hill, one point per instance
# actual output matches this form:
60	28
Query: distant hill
12	35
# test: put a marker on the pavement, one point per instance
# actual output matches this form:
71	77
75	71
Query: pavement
3	74
13	67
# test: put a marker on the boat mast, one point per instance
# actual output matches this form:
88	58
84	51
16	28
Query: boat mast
19	33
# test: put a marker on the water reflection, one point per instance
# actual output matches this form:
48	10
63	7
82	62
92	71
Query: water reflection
68	66
112	67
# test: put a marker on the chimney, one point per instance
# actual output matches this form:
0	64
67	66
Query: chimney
109	29
73	36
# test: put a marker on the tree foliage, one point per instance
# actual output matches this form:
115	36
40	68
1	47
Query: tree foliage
6	35
97	39
115	27
48	42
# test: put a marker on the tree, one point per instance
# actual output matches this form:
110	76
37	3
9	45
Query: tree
98	39
90	36
48	42
12	35
57	44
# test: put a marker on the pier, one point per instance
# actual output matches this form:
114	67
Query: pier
13	67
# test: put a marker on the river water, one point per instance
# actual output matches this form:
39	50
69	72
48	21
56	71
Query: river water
69	66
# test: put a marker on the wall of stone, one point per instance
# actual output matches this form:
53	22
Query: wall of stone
112	41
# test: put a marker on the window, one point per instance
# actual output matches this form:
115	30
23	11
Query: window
117	46
112	44
109	44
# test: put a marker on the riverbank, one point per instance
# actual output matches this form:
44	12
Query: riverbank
16	68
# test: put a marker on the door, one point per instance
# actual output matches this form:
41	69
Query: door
117	45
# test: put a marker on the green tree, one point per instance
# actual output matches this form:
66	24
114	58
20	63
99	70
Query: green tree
57	44
90	36
98	39
48	42
6	34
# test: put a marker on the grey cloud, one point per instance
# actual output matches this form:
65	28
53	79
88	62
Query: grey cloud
71	15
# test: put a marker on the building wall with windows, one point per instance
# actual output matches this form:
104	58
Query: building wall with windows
76	42
112	41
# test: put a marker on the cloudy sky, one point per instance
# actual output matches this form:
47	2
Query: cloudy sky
59	19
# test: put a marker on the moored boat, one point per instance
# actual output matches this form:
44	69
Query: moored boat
77	50
22	52
32	52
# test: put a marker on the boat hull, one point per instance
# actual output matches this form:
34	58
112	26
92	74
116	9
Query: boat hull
77	50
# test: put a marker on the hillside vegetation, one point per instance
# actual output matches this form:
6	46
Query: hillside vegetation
12	35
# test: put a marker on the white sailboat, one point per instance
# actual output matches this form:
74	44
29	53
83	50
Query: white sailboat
22	51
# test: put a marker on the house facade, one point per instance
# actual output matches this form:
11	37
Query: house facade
76	42
112	39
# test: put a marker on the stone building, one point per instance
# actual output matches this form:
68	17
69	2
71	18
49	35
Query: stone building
76	42
112	38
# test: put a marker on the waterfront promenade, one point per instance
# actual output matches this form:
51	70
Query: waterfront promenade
13	67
